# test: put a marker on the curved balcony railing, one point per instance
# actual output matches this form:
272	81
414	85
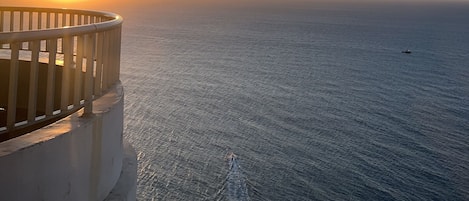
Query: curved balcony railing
54	62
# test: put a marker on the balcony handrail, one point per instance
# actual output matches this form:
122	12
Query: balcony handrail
47	33
86	42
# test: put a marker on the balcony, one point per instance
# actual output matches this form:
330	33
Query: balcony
53	63
61	105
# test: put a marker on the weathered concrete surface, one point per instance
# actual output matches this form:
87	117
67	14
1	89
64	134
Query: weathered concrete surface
126	187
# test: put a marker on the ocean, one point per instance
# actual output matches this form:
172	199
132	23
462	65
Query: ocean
313	103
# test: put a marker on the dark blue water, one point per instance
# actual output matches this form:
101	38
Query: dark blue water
317	103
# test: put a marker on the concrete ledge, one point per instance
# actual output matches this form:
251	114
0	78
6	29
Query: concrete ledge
76	158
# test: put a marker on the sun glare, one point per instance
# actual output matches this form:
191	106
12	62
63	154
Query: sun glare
68	1
76	4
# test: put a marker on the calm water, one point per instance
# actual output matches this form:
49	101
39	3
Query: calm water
316	103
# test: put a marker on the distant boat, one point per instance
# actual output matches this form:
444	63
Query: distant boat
231	157
406	51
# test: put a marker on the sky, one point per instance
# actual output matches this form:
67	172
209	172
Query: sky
128	8
126	3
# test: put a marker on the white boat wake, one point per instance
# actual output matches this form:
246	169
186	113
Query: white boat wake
236	189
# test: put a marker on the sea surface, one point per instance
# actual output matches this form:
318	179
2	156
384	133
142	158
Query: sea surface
316	103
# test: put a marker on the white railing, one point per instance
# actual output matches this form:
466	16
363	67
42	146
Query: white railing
54	62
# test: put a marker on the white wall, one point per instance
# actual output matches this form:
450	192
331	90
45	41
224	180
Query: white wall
77	158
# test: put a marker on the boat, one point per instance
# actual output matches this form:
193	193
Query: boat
231	158
406	51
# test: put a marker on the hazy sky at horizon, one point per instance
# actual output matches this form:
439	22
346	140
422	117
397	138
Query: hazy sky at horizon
117	3
132	8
